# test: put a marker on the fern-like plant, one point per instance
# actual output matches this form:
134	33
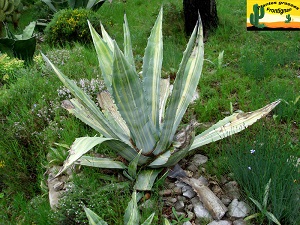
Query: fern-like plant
139	116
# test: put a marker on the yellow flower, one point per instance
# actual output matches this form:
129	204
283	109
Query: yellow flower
2	164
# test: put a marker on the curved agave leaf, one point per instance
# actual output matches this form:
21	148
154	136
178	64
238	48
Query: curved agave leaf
185	85
104	53
132	167
107	103
152	64
93	218
85	144
89	105
100	162
164	94
231	125
161	160
132	216
130	100
106	38
145	179
77	109
148	221
127	43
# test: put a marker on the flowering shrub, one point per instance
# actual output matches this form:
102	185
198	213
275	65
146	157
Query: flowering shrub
9	68
71	26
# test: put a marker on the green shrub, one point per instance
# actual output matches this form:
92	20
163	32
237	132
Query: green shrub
71	26
9	69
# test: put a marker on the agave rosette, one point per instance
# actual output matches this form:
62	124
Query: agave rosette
139	116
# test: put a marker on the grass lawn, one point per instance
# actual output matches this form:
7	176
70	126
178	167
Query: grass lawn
258	67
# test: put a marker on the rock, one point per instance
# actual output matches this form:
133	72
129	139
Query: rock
170	201
199	210
211	202
177	190
188	191
232	190
180	184
203	181
217	190
239	222
238	209
179	206
199	159
187	223
166	192
226	200
58	186
192	167
190	215
220	222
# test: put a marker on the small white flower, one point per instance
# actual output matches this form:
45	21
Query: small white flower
252	151
249	168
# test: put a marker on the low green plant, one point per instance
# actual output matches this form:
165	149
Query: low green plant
9	69
263	207
178	219
69	26
140	120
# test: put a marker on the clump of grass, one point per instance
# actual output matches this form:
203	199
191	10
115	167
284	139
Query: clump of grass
268	157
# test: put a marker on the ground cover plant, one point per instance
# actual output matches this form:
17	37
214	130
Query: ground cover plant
35	122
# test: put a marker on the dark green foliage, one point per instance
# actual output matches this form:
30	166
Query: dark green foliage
69	26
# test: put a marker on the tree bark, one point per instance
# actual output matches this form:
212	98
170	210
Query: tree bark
208	13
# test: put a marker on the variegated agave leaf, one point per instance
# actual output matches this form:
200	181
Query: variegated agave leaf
185	85
231	125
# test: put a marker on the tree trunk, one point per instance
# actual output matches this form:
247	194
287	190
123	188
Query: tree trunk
208	13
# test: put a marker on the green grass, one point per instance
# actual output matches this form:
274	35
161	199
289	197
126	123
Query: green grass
258	67
267	157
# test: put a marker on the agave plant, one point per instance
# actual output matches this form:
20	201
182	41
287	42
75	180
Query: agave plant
138	116
74	4
21	45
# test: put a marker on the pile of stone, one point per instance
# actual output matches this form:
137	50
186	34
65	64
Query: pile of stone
202	199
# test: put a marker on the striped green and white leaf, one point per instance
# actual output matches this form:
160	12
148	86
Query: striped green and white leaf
148	221
133	165
184	87
132	216
93	218
84	144
164	94
100	162
130	100
107	103
127	43
104	50
145	179
231	125
152	64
